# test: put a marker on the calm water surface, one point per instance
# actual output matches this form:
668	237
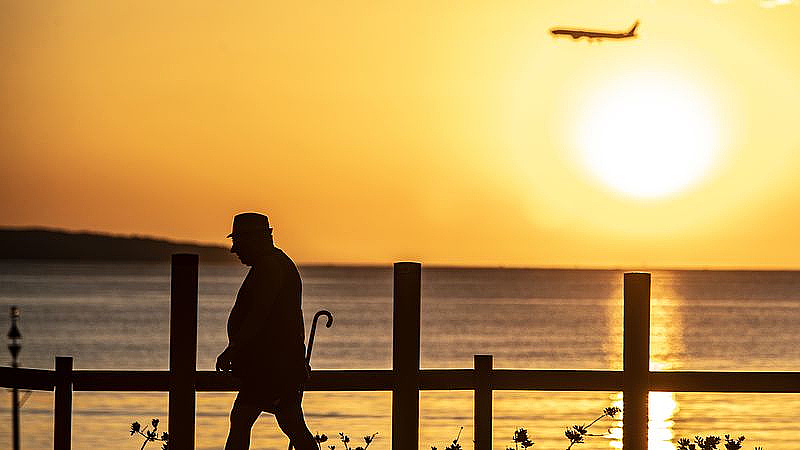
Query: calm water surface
116	316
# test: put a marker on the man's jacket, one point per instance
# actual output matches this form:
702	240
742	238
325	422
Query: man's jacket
266	323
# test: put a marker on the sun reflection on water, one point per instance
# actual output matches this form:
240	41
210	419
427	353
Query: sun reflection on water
666	349
615	429
662	408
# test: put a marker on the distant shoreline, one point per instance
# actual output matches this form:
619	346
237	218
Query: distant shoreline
47	244
59	245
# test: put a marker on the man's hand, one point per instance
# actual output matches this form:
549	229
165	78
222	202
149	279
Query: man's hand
225	360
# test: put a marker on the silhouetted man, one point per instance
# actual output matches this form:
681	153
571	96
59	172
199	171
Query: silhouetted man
265	338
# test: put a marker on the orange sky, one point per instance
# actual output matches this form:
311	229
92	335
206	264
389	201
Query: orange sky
372	132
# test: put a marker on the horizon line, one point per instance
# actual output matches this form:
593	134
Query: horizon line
375	264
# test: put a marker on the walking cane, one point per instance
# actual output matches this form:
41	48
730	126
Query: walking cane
314	331
311	335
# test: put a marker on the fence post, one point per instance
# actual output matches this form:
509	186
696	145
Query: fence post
636	361
482	415
62	428
182	351
405	355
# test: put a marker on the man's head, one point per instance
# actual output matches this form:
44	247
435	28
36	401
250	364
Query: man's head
251	236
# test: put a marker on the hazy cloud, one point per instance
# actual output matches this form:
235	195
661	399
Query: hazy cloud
762	3
774	3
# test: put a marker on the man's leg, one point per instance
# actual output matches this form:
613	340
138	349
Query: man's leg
289	415
242	419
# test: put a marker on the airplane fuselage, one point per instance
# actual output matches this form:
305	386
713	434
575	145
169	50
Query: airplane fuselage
589	34
576	34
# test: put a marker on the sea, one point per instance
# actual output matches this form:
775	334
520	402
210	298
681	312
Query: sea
116	316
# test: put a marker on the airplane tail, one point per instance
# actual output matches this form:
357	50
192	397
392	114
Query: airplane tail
632	31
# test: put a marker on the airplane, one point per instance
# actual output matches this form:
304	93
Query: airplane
576	34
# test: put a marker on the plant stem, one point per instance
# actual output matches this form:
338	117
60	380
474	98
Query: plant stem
595	421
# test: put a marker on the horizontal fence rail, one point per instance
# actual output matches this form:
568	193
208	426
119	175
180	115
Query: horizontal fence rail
430	380
405	380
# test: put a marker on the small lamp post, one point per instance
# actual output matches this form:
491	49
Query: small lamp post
14	347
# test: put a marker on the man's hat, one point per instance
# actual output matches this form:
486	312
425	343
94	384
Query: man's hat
250	223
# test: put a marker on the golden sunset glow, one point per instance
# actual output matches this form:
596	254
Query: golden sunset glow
648	135
377	131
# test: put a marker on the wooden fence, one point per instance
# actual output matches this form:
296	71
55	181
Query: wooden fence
405	379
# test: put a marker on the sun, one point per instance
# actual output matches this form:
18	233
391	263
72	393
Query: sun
647	135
